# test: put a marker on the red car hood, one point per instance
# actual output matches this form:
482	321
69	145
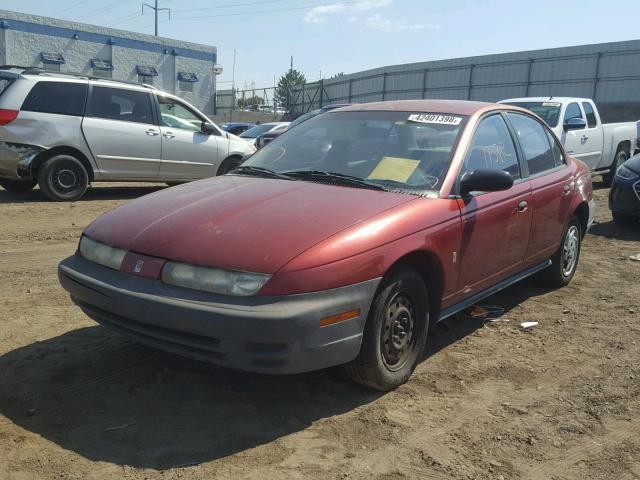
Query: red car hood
243	223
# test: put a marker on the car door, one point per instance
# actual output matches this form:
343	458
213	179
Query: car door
551	185
592	138
187	152
495	225
120	128
576	141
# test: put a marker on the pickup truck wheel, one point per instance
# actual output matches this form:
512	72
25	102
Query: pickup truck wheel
17	185
623	218
619	159
63	178
565	260
228	164
395	332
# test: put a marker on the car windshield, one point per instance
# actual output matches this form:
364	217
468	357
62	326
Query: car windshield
303	118
548	111
395	150
258	130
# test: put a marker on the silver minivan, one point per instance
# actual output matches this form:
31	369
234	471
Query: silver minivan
64	131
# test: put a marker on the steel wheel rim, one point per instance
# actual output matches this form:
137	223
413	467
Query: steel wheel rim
66	177
398	335
570	250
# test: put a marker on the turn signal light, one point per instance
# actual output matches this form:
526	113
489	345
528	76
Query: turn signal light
8	116
341	317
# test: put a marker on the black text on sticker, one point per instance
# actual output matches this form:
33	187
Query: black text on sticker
432	118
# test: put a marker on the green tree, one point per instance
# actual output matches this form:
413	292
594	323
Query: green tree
290	79
254	101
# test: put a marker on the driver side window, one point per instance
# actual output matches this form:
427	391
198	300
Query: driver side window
492	148
176	115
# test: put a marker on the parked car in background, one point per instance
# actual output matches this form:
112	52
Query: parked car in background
252	134
63	131
341	250
624	196
576	122
236	128
265	138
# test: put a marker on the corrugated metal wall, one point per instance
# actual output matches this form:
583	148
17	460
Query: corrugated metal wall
609	73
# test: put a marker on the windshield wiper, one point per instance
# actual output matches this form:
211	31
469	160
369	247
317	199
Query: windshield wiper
338	177
259	171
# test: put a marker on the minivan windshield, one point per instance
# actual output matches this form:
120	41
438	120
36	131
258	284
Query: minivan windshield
387	149
548	111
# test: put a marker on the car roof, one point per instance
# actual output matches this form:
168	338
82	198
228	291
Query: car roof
458	107
545	99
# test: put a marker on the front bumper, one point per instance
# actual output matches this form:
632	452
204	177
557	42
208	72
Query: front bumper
624	196
16	159
261	334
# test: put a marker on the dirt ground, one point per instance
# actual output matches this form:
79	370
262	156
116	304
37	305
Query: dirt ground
489	401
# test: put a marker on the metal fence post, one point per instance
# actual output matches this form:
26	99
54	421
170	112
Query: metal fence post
529	68
321	87
350	89
596	79
384	85
424	83
471	67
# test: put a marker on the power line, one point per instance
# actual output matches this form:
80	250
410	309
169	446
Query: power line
229	5
71	7
122	19
95	11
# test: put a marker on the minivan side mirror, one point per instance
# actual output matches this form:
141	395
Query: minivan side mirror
208	128
485	180
574	124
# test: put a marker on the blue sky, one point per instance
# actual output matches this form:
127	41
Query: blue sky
351	35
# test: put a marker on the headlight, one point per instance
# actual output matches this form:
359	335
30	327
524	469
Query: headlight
100	253
213	280
626	173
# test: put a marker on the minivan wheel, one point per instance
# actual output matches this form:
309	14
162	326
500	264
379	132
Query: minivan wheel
619	159
63	178
18	185
395	332
565	260
229	164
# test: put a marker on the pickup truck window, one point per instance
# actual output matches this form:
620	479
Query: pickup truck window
591	115
547	111
492	148
573	111
534	142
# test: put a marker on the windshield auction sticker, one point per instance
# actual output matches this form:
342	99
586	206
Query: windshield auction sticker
394	168
434	119
550	104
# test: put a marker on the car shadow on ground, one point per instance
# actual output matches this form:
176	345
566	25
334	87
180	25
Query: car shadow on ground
96	193
615	231
109	399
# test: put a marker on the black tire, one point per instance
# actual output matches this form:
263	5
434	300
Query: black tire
623	218
395	333
619	159
565	261
18	185
63	178
229	164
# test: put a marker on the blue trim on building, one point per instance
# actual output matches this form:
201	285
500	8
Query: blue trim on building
63	32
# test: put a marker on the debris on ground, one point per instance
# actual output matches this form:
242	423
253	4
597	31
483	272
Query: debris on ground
527	325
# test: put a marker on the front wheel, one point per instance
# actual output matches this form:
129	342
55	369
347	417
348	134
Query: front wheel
395	333
63	178
17	185
619	159
565	260
229	164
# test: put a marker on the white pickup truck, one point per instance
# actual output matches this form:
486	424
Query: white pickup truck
576	122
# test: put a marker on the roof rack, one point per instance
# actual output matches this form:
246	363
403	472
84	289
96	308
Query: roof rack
41	71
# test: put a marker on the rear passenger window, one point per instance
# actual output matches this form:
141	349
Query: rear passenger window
120	104
534	142
62	98
492	148
591	115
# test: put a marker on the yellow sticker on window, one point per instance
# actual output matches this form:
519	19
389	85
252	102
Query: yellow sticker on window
394	168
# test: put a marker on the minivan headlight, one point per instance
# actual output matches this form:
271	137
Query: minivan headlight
227	282
626	173
102	254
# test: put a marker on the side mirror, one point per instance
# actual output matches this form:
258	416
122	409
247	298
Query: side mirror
208	128
574	124
485	180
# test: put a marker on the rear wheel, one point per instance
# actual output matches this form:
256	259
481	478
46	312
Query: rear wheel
229	164
622	218
18	185
395	333
63	178
619	159
565	260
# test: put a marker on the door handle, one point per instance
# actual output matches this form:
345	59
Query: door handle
584	139
522	206
566	190
168	135
151	132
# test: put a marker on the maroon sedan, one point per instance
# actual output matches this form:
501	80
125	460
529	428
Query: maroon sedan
340	241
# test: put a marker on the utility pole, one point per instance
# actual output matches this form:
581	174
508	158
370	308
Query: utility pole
155	11
291	69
